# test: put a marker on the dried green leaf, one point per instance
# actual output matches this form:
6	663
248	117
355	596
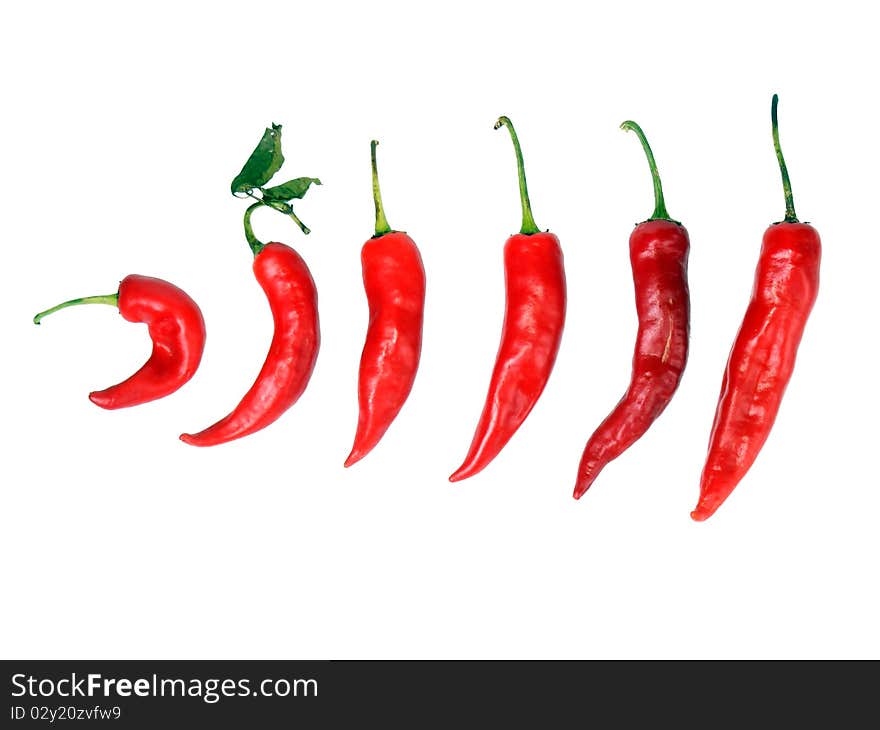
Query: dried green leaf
291	189
263	163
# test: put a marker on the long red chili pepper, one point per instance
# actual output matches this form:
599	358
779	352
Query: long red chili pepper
658	251
394	282
290	290
533	322
177	330
763	355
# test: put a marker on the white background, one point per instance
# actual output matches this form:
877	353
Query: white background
122	129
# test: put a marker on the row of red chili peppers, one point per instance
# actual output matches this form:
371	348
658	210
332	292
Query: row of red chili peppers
758	369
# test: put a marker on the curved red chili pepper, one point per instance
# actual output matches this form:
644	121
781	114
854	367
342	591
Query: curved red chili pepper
658	250
290	291
176	327
394	281
533	322
763	355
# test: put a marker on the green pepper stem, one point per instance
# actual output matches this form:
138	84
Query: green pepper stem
790	216
302	226
528	222
382	226
282	207
255	244
111	299
659	213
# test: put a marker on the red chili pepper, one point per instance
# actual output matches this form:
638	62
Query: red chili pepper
533	322
763	355
658	251
176	328
290	291
394	281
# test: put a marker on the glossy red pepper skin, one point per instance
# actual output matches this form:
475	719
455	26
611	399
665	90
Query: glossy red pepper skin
177	330
290	290
659	256
533	323
394	282
762	358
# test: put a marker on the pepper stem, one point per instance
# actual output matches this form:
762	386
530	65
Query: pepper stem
528	222
111	299
659	213
255	244
302	226
790	216
382	226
